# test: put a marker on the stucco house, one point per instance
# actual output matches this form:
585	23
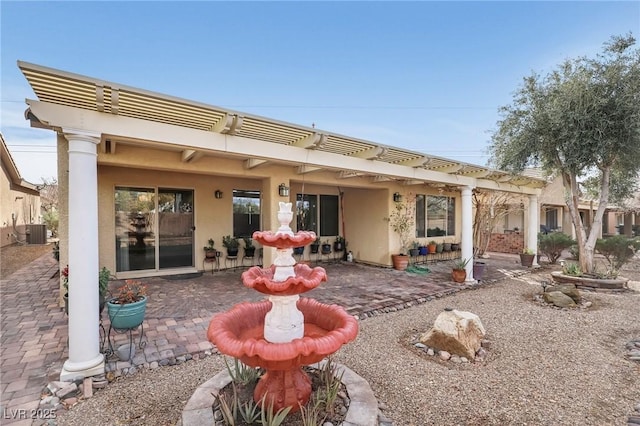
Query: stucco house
19	204
146	179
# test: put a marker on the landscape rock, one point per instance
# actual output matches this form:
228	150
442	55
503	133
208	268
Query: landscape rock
567	289
559	299
456	332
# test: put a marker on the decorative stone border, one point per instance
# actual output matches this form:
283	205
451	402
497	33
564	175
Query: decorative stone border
362	410
592	284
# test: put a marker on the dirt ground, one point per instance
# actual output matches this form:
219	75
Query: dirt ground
16	256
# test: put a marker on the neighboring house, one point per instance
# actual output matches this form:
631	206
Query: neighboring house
19	203
145	179
555	217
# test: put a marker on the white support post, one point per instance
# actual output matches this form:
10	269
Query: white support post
534	227
467	232
85	358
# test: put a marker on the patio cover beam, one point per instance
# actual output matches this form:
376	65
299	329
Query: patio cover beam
57	116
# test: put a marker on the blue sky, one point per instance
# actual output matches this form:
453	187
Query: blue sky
426	76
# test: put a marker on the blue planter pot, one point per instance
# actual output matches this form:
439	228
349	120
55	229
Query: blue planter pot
126	316
423	250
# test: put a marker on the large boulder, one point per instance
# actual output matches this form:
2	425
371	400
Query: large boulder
559	299
456	332
567	289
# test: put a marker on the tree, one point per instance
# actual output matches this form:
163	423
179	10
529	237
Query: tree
49	204
490	209
581	120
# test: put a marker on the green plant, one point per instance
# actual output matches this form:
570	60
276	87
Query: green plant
267	415
132	291
415	245
316	241
249	411
242	373
229	409
575	252
56	251
230	242
210	244
340	240
461	263
617	250
553	244
311	414
402	220
572	269
331	383
103	281
248	242
527	251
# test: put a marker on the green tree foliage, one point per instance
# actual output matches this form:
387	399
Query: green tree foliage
582	119
617	250
552	245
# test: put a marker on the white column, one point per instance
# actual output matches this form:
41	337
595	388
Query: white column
467	231
534	227
85	358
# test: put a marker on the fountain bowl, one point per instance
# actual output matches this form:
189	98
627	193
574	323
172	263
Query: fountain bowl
239	333
284	241
305	279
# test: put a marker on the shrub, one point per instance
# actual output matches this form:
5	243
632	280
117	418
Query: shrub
552	245
617	250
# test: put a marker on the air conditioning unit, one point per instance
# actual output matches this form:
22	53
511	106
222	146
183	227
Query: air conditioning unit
36	234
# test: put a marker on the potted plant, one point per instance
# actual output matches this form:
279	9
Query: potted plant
231	244
103	287
526	257
446	246
326	247
339	243
432	246
209	249
401	220
127	308
423	250
439	247
455	246
315	246
459	272
415	249
249	248
298	250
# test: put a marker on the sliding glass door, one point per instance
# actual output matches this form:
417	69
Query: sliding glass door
175	228
154	228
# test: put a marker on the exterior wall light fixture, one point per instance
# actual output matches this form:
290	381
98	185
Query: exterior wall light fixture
397	197
218	194
283	190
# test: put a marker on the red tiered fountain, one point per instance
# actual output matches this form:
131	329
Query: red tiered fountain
285	332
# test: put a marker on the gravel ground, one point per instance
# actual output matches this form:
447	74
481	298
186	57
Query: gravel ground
545	366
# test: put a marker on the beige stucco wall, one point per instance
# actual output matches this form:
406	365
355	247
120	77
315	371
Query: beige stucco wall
366	204
18	205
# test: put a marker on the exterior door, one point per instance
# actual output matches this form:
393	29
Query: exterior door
175	228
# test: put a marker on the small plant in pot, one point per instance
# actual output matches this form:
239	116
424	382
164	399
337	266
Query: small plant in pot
339	243
103	287
415	249
402	222
526	257
459	272
127	308
231	244
315	246
326	247
249	248
209	249
432	246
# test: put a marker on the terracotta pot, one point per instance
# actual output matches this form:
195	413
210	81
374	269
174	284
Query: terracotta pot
526	259
459	275
400	261
432	248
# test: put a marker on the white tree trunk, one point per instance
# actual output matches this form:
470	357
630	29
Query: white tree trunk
586	243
